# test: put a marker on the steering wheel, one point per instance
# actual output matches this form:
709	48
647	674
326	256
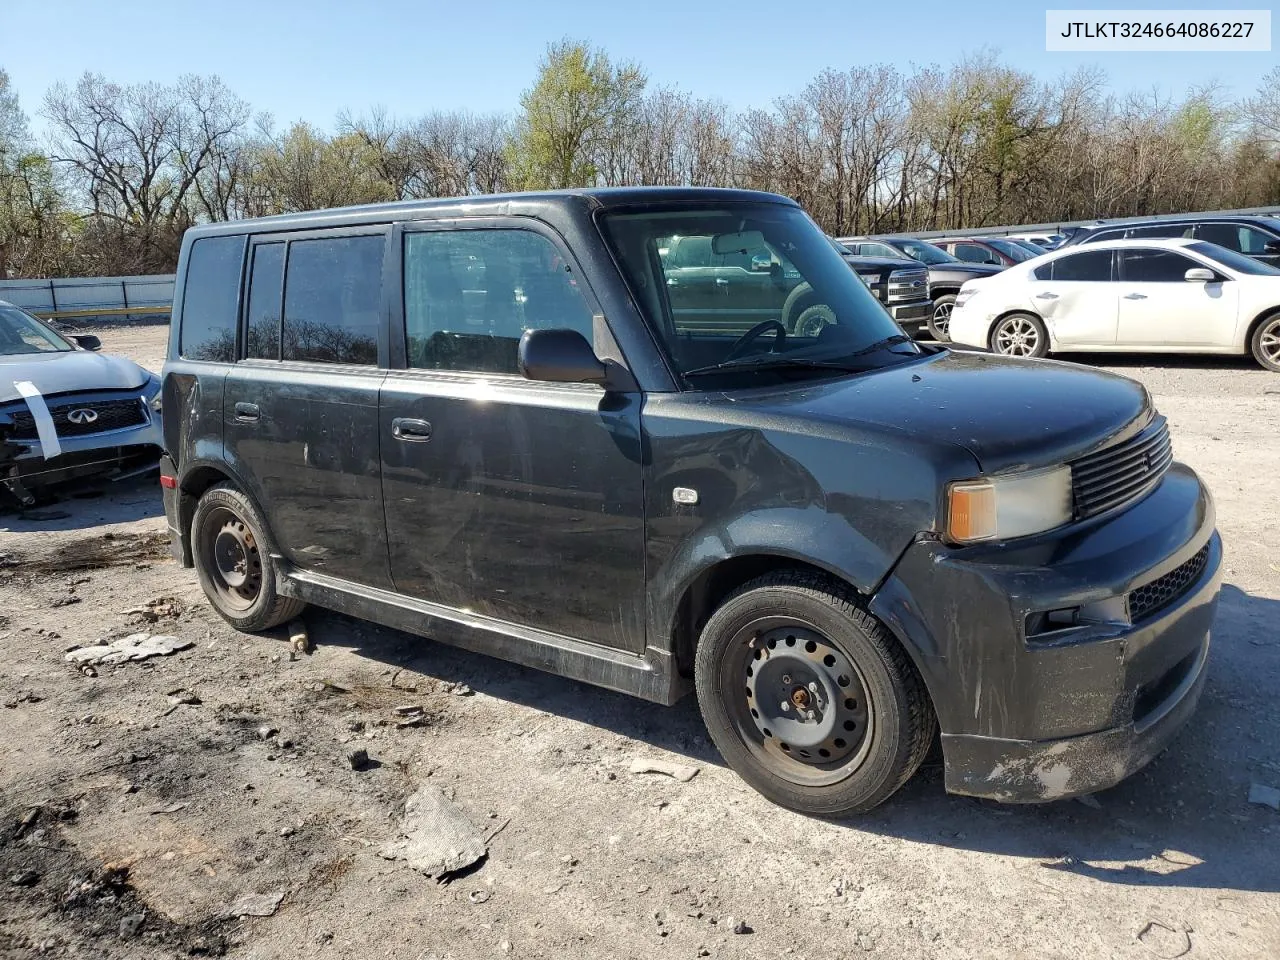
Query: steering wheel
754	334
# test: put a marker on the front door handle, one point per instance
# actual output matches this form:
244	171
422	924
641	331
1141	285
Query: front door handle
1135	296
721	282
1046	296
247	412
414	431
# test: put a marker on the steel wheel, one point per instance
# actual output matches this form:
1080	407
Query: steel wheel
1019	335
232	556
1266	344
802	706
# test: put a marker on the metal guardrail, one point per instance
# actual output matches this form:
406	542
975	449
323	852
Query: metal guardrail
83	298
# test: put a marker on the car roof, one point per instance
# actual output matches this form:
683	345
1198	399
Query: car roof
498	204
1170	242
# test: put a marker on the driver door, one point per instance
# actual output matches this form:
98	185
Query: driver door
1160	307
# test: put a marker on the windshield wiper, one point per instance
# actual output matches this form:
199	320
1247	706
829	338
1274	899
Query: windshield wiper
881	344
772	363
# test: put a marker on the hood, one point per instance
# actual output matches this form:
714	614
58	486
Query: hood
1008	413
879	263
74	372
967	270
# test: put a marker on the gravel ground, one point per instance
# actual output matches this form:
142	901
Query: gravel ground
161	797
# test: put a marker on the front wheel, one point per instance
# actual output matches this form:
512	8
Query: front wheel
808	697
1020	335
940	322
1266	343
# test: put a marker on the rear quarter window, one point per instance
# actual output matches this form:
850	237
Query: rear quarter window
210	299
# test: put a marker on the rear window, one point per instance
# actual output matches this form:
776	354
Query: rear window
210	299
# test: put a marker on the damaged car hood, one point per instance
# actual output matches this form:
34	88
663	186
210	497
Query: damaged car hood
1008	413
68	372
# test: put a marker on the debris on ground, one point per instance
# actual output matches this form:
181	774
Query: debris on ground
162	608
25	878
131	925
682	772
256	904
436	838
457	689
1264	795
298	637
27	822
737	926
109	549
23	696
358	758
136	646
1165	941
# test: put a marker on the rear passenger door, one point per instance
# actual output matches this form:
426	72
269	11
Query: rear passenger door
1077	297
300	406
505	497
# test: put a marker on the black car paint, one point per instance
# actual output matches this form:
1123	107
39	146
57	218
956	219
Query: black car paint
911	315
947	278
1120	231
552	503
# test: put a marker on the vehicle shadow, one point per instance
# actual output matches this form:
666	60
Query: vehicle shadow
84	505
1183	821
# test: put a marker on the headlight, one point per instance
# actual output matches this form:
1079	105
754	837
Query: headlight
964	296
999	508
153	393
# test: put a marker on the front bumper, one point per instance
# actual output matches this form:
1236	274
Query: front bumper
1033	713
913	315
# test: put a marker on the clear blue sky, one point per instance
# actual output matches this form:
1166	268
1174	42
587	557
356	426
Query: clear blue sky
311	59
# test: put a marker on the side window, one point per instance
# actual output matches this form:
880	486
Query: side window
1235	236
266	284
1103	235
1154	266
332	300
972	253
1160	231
1093	266
691	252
469	295
211	298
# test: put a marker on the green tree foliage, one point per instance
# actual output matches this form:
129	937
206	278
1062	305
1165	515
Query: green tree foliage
578	109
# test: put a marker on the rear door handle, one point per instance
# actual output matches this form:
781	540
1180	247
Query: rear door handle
721	282
1135	296
1046	296
414	431
247	412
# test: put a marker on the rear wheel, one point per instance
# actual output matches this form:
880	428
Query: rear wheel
813	319
940	322
1266	343
808	697
233	562
1020	335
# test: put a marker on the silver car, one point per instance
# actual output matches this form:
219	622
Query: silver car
67	412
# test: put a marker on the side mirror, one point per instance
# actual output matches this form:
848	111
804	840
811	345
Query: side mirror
1271	246
87	340
761	263
1200	275
559	356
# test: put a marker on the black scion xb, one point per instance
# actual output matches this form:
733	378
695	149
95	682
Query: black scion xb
506	423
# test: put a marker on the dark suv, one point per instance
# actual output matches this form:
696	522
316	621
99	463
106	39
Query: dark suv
946	274
1257	237
495	422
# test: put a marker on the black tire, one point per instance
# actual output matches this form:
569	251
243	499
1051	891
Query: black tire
940	321
1019	335
746	655
1265	343
233	563
813	319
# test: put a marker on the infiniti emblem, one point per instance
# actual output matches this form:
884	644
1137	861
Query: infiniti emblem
82	416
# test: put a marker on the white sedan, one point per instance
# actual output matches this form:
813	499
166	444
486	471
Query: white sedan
1167	296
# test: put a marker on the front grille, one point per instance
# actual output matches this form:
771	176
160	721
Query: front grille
110	415
908	284
1159	593
1121	473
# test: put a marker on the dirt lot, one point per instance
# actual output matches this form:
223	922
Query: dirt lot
153	816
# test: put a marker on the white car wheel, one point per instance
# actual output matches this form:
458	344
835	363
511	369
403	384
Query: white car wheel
1020	335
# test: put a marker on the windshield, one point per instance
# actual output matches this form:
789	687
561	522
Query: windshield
924	252
1030	246
1236	261
1011	250
22	333
752	293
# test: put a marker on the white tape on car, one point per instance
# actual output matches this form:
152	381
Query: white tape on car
49	445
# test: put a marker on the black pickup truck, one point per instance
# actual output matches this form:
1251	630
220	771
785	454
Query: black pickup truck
756	281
